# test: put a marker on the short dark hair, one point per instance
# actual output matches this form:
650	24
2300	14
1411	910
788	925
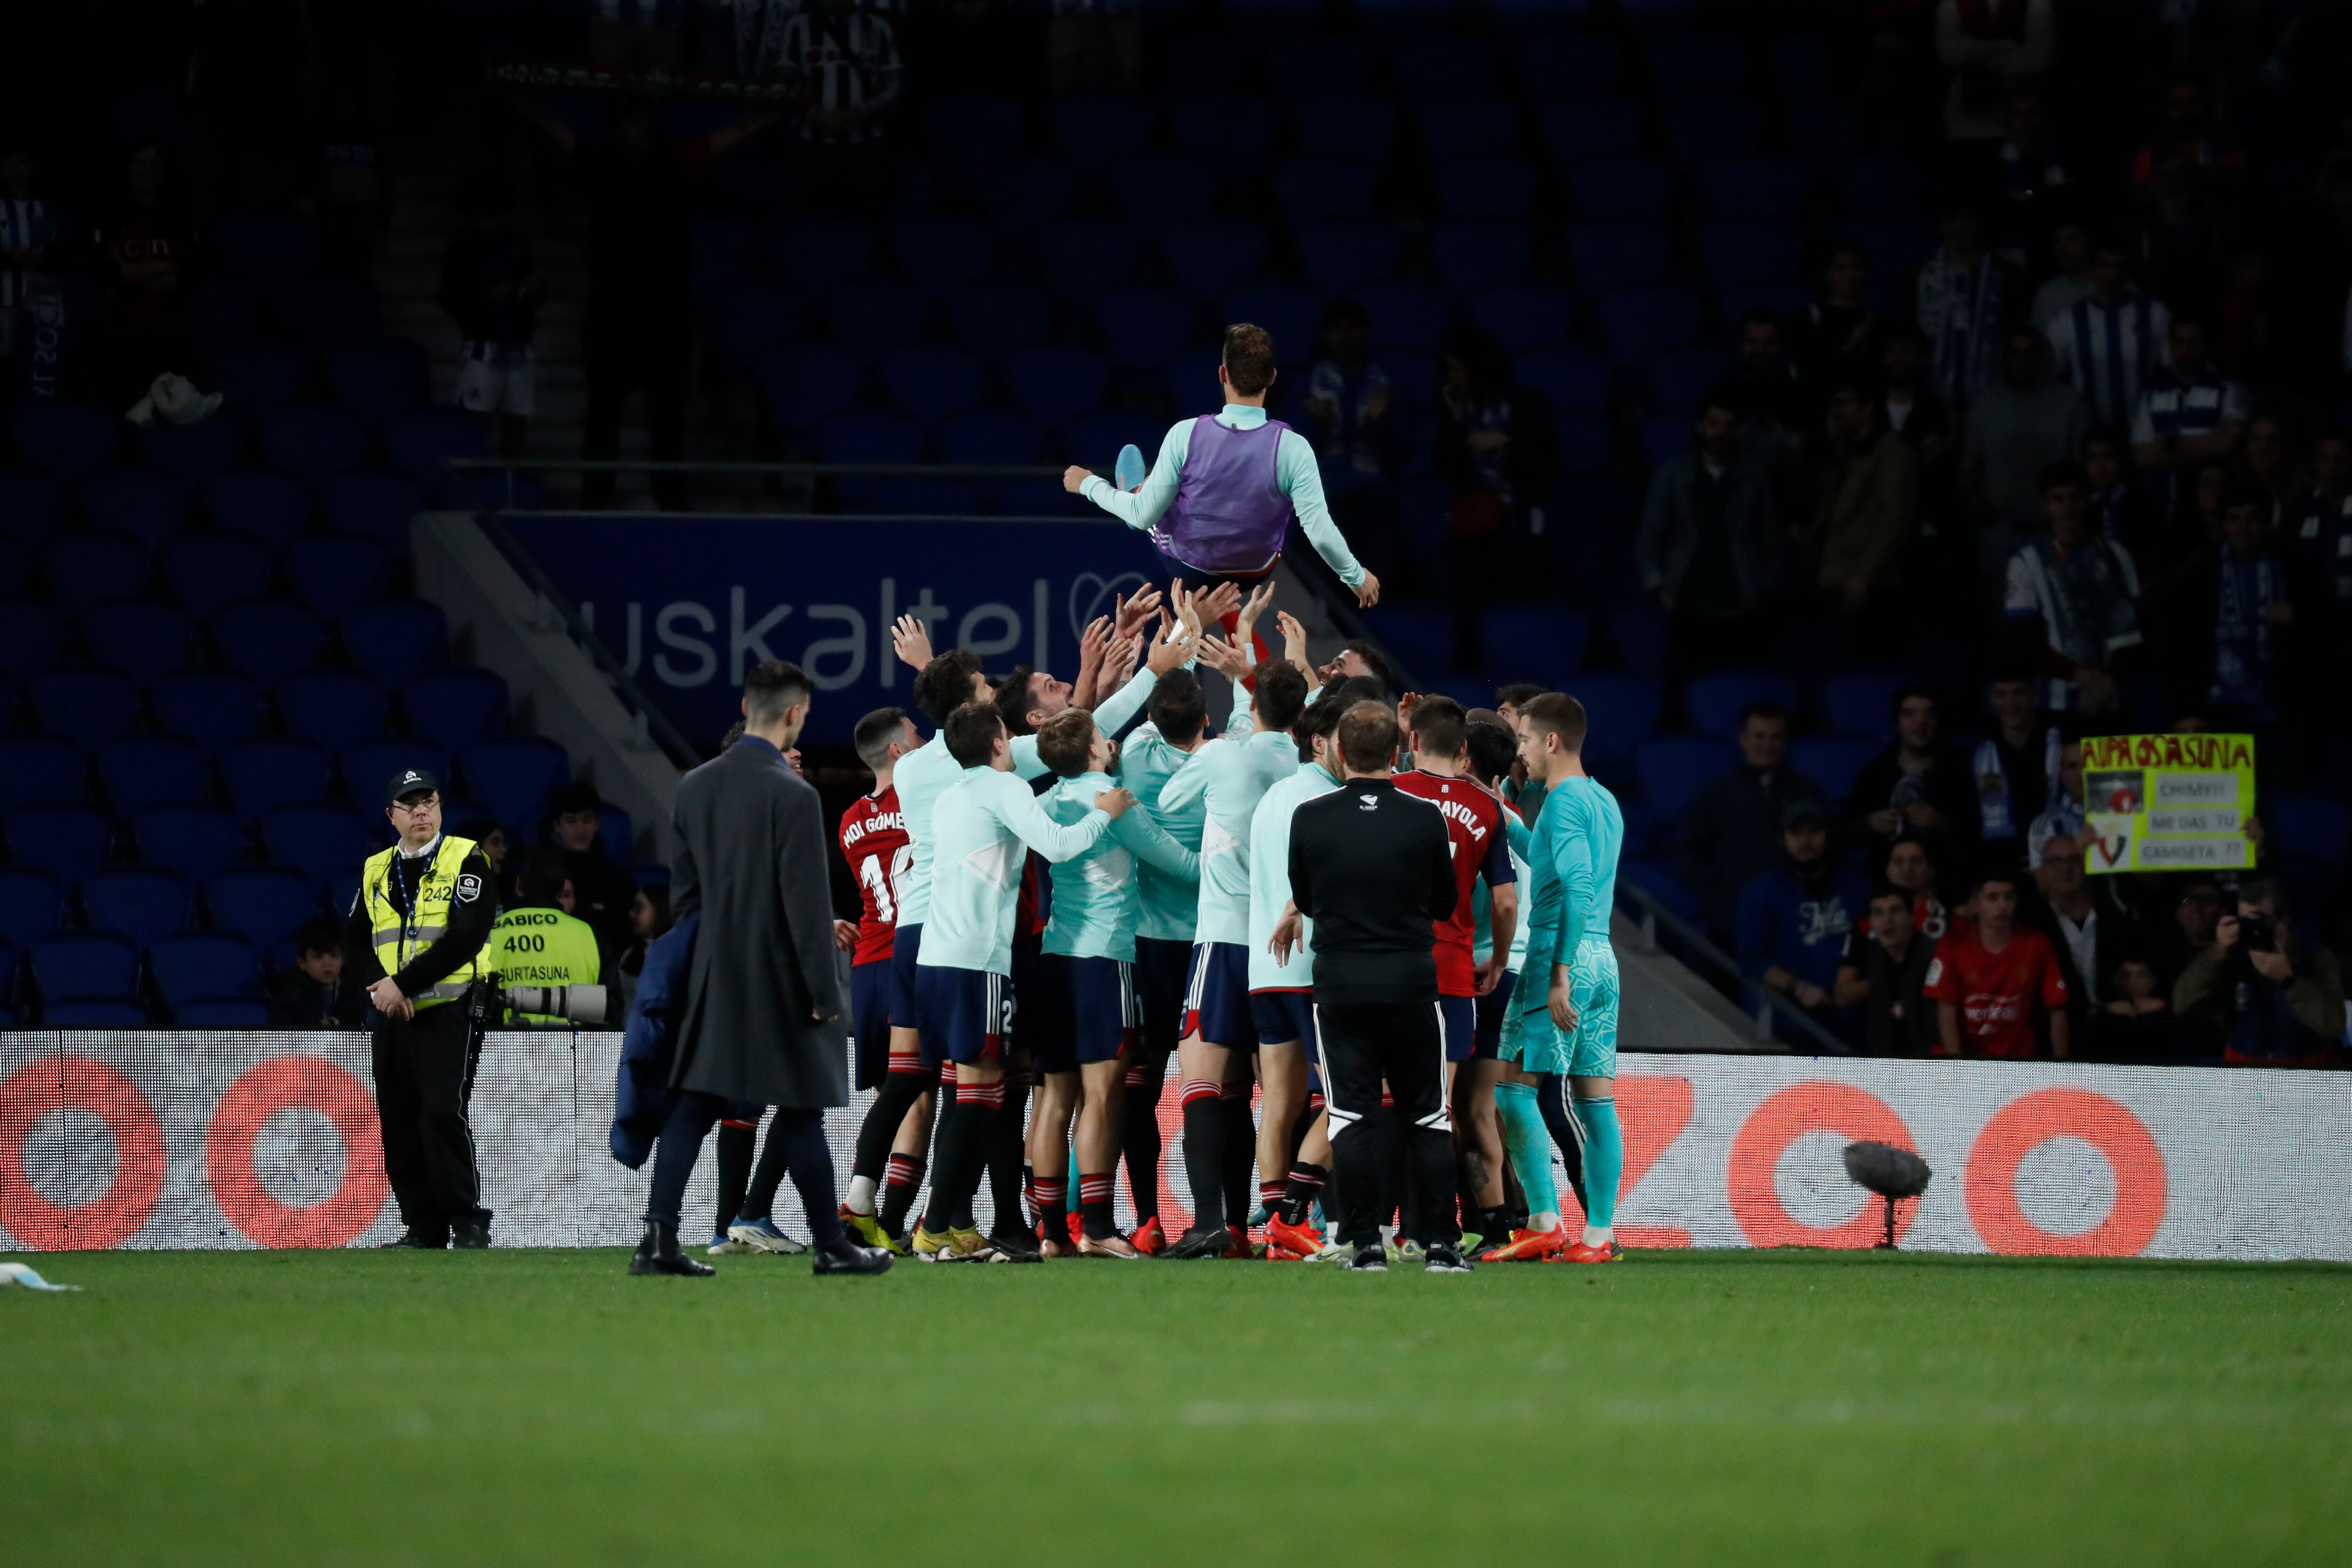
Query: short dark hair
317	933
1492	747
2065	472
944	685
1907	690
1319	717
1558	713
1763	316
1438	726
874	734
1277	691
773	689
1012	700
971	730
1882	889
1178	707
1852	247
1367	735
1248	358
1758	708
540	880
2262	890
1374	659
1065	743
1518	693
573	798
477	828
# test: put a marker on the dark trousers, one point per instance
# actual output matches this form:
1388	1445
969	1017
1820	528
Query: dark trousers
1359	1044
691	1118
424	1082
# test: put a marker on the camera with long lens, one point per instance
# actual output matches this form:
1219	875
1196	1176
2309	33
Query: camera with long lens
497	1005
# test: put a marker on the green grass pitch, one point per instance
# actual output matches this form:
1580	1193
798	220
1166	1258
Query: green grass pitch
332	1408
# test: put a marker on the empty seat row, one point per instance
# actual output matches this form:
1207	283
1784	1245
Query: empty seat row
91	980
452	709
72	439
391	640
203	573
264	503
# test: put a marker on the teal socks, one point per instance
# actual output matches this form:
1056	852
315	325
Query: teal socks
1604	1158
1530	1145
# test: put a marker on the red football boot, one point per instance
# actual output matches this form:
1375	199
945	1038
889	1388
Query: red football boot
1241	1247
1609	1252
1529	1247
1288	1243
1148	1238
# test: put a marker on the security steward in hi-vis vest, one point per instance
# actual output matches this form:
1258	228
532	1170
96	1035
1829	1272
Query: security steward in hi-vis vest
412	939
538	942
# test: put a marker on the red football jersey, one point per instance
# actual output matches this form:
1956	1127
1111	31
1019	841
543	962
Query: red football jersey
1474	834
1995	991
874	841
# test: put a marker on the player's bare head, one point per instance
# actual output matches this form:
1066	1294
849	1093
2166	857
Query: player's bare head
1369	736
1492	745
1248	359
1555	721
772	690
1512	698
946	684
1280	692
973	731
1177	709
877	732
1439	727
1065	743
1358	658
1319	718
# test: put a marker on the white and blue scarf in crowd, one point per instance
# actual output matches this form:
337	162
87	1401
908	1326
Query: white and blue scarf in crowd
2244	639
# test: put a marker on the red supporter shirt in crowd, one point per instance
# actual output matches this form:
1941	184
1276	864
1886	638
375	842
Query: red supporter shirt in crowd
874	841
1473	832
1995	991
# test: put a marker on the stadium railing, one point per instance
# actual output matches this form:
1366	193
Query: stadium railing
1778	1020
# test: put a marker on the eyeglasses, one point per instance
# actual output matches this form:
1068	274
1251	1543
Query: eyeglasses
422	802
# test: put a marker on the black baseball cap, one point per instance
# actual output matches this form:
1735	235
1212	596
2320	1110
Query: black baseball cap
1797	811
415	781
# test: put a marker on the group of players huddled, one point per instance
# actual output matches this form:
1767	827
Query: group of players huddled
1130	897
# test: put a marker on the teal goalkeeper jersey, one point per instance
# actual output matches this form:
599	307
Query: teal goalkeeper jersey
1481	901
1229	776
1270	880
1096	898
1171	903
1574	867
983	825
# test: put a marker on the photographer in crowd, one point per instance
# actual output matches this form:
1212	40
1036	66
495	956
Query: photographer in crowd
2272	1001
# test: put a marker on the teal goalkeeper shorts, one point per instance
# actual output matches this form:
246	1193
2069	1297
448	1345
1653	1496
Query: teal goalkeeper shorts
1538	1046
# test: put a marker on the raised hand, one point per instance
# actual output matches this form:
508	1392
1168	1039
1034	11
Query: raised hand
1218	602
1133	612
911	640
1225	658
1251	608
1074	478
1367	592
1294	642
1174	646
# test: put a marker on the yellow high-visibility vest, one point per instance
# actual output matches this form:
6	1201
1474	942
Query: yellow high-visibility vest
542	947
399	936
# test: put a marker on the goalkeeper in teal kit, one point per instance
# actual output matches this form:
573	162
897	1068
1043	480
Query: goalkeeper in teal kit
1560	1034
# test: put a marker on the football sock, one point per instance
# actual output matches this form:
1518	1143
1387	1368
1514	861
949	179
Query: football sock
1029	1196
965	1137
1566	1133
1094	1204
1299	1193
1530	1146
1053	1194
1240	1151
898	1189
1004	1155
1270	1195
859	1198
735	1140
1204	1137
1604	1162
903	1085
1074	1178
1139	1138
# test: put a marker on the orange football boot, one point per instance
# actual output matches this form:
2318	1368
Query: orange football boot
1295	1242
1148	1238
1529	1247
1241	1247
1580	1253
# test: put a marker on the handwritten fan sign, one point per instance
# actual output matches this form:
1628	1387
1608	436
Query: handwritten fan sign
2167	803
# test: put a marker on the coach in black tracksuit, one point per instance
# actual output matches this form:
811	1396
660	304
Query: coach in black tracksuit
1369	866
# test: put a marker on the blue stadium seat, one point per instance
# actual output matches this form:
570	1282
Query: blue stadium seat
1496	188
41	769
1664	436
332	708
83	568
1096	133
31	636
1798	64
1093	440
935	254
210	707
513	778
1528	317
1442	65
266	248
1084	256
817	253
1318	64
143	904
1702	131
265	638
1143	323
96	1015
145	506
1208	256
1639	319
321	842
371	380
994	318
990	438
1536	642
1292	313
7	985
206	571
1473	255
1344	127
2313	825
1861	702
1051	385
868	438
141	638
1832	761
333	572
83	966
752	316
1566	66
324	315
313	442
1420	637
204	966
1756	188
1621	187
1733	302
140	771
64	439
720	248
875	312
394	638
1576	128
32	904
1463	127
420	440
264	904
1308	190
269	506
1896	245
1623	711
255	380
1674	768
69	842
1575	380
1021	196
1583	442
1698	63
926	497
29	505
1606	252
1346	254
221	308
931	384
1823	131
15	568
1714	702
88	707
1751	252
365	766
1679	378
193	453
805	384
222	1013
966	132
1664	886
1403	315
270	770
372	506
456	708
1879	185
1156	192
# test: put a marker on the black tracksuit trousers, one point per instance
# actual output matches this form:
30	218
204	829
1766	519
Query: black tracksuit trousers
424	1082
1358	1044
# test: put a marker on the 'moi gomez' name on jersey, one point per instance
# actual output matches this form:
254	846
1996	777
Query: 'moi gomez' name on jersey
874	841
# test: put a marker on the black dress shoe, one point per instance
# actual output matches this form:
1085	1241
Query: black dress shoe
1203	1241
846	1257
657	1253
470	1234
418	1239
1016	1247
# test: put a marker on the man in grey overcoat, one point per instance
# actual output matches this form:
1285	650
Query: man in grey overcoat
760	1018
